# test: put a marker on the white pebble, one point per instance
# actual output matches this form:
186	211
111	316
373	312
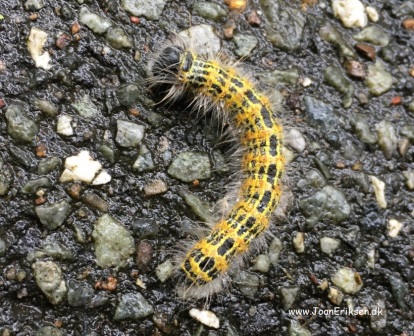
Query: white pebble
329	245
262	263
83	168
351	12
295	140
394	227
164	270
348	280
371	258
306	82
102	178
206	317
372	14
64	126
299	242
35	42
379	189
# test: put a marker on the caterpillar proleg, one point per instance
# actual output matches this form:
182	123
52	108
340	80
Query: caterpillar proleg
250	114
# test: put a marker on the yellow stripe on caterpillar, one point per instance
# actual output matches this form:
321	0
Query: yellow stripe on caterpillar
260	136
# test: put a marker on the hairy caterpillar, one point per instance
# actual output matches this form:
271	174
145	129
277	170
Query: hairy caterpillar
250	114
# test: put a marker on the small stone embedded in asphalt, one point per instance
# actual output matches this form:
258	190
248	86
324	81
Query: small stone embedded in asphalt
129	134
118	39
53	215
378	79
209	10
144	161
96	23
350	12
204	38
288	295
113	242
244	44
132	307
150	9
80	293
387	138
48	276
86	108
334	77
190	166
164	270
320	114
347	280
32	186
19	125
374	35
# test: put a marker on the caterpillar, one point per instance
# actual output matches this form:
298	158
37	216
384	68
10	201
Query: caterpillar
215	85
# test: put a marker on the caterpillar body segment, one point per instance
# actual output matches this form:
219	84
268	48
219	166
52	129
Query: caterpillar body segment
260	136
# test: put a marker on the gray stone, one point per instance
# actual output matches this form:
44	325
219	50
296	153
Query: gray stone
49	331
284	23
288	295
400	291
34	5
128	94
248	283
86	108
118	39
198	206
19	125
48	165
150	9
6	178
3	247
276	77
331	35
204	39
113	242
144	161
378	316
48	276
296	329
53	215
374	35
362	130
387	138
209	10
329	203
132	307
335	78
320	114
190	166
80	293
145	228
245	43
56	250
378	80
33	185
96	23
129	134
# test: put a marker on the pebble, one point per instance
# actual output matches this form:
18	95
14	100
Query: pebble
53	215
248	283
198	206
132	306
83	168
299	242
145	228
64	125
330	34
409	178
394	227
107	152
379	189
288	295
80	293
400	291
296	329
355	69
366	50
275	248
190	166
335	78
94	201
49	331
144	255
6	178
350	12
48	276
204	39
205	317
35	42
335	295
408	24
312	179
378	80
3	247
150	9
329	245
387	138
33	5
118	39
372	13
209	10
98	24
19	125
245	43
362	130
144	161
328	203
164	270
320	114
155	187
347	280
276	77
374	35
129	134
86	108
378	320
46	107
32	186
128	94
48	165
284	23
113	242
56	250
262	263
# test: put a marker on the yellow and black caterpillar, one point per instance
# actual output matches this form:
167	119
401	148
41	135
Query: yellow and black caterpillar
251	116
